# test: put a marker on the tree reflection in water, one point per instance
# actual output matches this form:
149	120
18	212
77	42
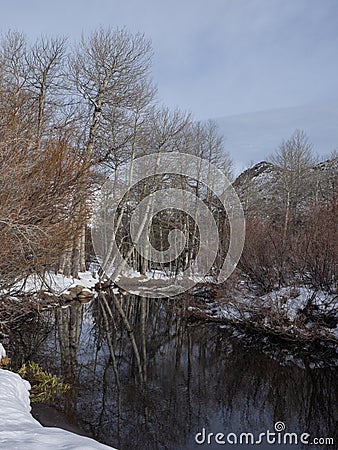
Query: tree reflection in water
152	380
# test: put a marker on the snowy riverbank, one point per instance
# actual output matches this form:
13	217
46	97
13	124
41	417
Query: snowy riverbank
19	430
293	313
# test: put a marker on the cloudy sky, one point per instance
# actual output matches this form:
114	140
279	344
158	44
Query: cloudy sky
214	58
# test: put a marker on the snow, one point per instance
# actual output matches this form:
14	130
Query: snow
282	308
164	276
57	283
292	302
20	431
2	352
130	273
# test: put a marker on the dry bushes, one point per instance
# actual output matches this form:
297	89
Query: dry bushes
318	249
308	254
265	258
39	194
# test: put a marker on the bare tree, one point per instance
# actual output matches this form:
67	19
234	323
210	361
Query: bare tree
45	61
295	159
106	72
85	115
13	70
38	195
106	69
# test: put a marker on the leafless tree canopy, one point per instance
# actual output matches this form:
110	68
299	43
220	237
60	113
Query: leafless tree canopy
74	115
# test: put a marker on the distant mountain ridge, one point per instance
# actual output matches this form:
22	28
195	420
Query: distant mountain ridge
259	186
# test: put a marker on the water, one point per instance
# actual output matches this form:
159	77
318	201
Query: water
177	378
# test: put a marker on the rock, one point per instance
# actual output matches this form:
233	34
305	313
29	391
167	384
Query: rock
85	296
84	299
79	293
75	291
87	293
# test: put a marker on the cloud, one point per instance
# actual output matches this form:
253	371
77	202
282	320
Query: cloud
213	58
254	136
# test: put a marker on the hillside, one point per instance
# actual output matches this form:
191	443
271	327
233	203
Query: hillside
259	186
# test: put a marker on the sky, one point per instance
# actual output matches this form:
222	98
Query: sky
212	58
253	137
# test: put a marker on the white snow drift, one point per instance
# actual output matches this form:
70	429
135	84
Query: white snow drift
20	431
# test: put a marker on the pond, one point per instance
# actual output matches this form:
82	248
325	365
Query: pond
155	380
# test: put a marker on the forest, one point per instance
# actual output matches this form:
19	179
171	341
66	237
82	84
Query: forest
146	290
75	116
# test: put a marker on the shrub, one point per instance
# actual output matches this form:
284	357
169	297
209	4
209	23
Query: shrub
45	386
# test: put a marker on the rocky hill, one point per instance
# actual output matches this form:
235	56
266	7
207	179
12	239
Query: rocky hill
261	186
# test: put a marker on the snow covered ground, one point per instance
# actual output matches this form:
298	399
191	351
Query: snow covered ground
20	431
282	311
57	283
60	284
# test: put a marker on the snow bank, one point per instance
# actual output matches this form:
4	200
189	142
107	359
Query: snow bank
2	352
57	283
283	312
20	431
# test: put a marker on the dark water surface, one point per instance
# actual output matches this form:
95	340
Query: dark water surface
158	383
